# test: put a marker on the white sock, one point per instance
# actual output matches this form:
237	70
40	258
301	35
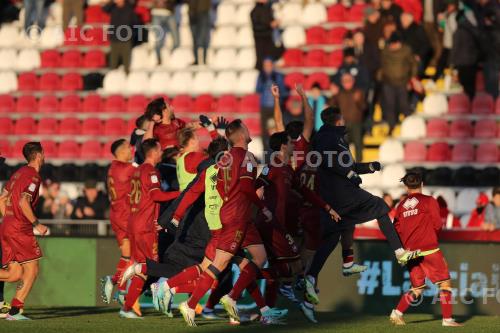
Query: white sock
264	309
399	251
137	269
399	313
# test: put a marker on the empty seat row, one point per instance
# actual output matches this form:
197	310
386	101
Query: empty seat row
313	13
340	13
320	35
438	104
307	81
73	59
312	58
49	82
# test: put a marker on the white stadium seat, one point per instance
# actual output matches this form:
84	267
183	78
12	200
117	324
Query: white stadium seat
435	104
28	59
413	127
140	58
8	82
396	192
448	195
243	14
392	174
391	151
7	58
466	201
115	81
245	37
224	59
9	35
294	36
159	82
185	36
52	37
375	191
224	37
246	82
256	147
181	58
137	82
371	179
226	14
225	83
290	13
245	59
313	14
203	82
181	82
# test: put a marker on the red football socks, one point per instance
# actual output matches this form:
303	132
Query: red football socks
254	291
205	282
405	301
446	306
272	287
16	306
186	288
134	292
120	268
247	276
189	274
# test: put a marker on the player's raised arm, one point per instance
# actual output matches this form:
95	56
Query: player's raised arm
308	113
278	114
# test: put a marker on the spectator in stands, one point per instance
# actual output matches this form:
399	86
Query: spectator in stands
351	101
34	14
267	77
199	21
48	204
476	219
373	27
123	18
389	11
317	101
492	211
141	126
351	65
414	36
411	6
8	12
163	13
397	69
92	205
449	221
367	54
433	14
72	8
449	25
263	24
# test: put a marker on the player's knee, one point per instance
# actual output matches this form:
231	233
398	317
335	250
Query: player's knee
15	273
416	293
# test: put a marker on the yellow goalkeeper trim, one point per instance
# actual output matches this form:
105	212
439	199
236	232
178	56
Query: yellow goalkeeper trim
429	252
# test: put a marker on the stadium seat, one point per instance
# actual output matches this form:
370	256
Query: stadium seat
73	36
203	82
245	84
485	128
459	104
293	58
294	78
26	104
250	104
438	152
335	36
392	174
141	58
137	82
415	151
115	127
94	14
71	82
114	103
68	149
131	125
70	126
371	180
336	13
462	152
50	59
94	59
313	14
487	152
96	36
159	82
334	59
254	126
25	126
315	58
290	13
413	127
437	128
435	104
440	176
70	103
355	13
7	58
47	126
293	37
227	104
466	201
27	60
9	82
137	104
92	126
7	103
391	151
92	103
315	35
50	82
48	104
466	177
461	129
245	59
6	126
71	59
182	103
181	82
245	37
320	78
448	195
204	103
27	82
17	149
5	149
483	104
181	58
224	59
497	106
115	82
224	37
144	13
480	83
226	14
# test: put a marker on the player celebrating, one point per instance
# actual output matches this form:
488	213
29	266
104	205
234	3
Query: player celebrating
418	222
119	176
20	248
145	194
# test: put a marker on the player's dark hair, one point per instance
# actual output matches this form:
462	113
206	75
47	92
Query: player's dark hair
294	129
155	107
216	147
139	122
277	140
233	127
115	145
331	115
148	145
168	155
184	136
496	190
30	150
412	180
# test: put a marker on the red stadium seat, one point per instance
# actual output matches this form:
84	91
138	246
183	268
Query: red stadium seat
70	126
49	148
485	128
204	103
462	152
497	106
336	13
459	104
73	36
336	35
115	127
131	125
227	104
315	35
137	103
47	126
68	149
143	13
91	150
438	152
461	129
26	104
96	36
415	151
50	82
94	59
315	58
50	59
334	59
356	13
253	125
437	128
294	78
487	152
114	103
6	126
48	104
483	104
92	103
480	84
92	126
72	82
27	82
106	150
5	149
17	149
71	59
250	104
293	58
94	14
7	103
183	103
70	103
321	78
25	126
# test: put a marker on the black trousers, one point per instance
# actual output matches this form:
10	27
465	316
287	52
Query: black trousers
467	78
264	47
394	100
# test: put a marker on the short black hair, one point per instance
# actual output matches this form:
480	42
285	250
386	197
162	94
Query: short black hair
331	115
155	107
216	147
30	150
140	121
496	190
277	140
148	145
233	127
294	129
412	180
115	145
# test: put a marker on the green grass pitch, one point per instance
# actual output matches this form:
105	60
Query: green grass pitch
97	320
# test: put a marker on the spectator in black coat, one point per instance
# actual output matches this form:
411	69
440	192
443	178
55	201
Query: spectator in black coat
413	35
390	12
199	21
92	205
263	23
351	65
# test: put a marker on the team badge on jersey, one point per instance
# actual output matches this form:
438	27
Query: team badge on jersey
410	203
249	167
32	187
154	179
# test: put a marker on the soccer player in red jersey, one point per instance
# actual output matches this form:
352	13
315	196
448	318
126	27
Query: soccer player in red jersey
145	195
119	176
19	246
418	223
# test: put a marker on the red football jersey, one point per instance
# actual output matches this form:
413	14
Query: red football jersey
308	177
167	133
119	176
278	195
144	211
25	181
300	150
418	221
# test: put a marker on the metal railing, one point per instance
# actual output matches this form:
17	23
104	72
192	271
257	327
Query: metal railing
78	228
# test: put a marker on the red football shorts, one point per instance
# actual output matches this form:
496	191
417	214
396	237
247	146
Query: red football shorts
279	244
309	220
236	236
119	223
144	245
212	244
19	247
433	267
